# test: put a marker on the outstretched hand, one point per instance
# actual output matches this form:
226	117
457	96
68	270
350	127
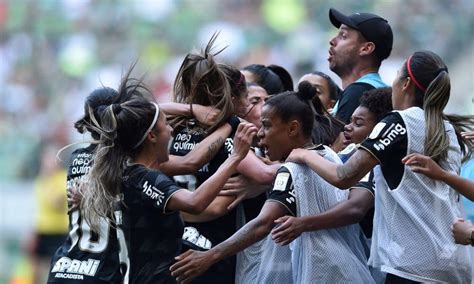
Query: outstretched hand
190	265
297	156
238	186
424	165
243	139
290	228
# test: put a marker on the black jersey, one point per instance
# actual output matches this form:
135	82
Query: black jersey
203	236
153	234
85	257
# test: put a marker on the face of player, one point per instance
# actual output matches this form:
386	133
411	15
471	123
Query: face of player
257	96
322	89
344	50
163	133
362	123
274	135
241	103
399	86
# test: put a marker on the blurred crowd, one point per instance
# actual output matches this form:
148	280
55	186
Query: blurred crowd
54	52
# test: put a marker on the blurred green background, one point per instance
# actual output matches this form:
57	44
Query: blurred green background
54	52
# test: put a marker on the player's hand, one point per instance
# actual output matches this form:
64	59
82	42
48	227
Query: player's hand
468	135
462	231
243	139
190	265
205	114
297	156
290	228
74	196
425	165
239	187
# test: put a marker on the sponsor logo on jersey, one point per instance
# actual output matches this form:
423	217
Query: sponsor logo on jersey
376	131
154	193
74	268
182	142
389	136
292	197
193	236
81	164
281	181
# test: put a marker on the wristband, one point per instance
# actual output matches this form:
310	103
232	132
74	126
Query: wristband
234	122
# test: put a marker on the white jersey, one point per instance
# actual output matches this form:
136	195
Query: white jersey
412	237
325	256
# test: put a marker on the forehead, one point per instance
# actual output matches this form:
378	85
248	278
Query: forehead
257	91
362	112
350	31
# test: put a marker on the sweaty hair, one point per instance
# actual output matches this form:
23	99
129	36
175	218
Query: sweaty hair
308	111
334	89
94	105
378	101
432	90
274	79
201	80
121	128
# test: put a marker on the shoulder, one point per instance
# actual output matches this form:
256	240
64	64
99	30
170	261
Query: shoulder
357	88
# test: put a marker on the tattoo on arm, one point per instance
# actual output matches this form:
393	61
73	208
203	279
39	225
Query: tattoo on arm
242	239
349	169
214	147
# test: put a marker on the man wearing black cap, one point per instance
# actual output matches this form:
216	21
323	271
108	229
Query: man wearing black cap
355	54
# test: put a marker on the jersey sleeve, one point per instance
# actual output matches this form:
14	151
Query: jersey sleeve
388	140
367	182
157	189
283	191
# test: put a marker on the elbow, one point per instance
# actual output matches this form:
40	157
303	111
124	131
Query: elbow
262	226
264	178
356	214
196	207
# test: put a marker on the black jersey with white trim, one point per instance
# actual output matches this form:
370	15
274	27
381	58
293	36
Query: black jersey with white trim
367	183
153	233
283	190
85	256
204	235
388	144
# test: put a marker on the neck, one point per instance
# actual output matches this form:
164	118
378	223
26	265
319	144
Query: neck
355	74
146	159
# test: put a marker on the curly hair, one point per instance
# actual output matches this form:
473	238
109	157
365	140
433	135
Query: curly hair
378	101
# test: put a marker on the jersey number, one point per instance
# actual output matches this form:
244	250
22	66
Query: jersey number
85	241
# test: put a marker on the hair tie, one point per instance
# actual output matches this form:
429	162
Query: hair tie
413	77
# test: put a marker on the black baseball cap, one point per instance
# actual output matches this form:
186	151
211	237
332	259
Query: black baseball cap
373	27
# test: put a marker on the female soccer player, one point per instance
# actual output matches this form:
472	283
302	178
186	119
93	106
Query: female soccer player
412	240
327	255
134	139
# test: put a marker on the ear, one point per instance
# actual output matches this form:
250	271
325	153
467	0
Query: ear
407	85
294	128
367	48
152	136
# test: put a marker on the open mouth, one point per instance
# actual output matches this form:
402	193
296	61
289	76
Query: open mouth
264	148
347	139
